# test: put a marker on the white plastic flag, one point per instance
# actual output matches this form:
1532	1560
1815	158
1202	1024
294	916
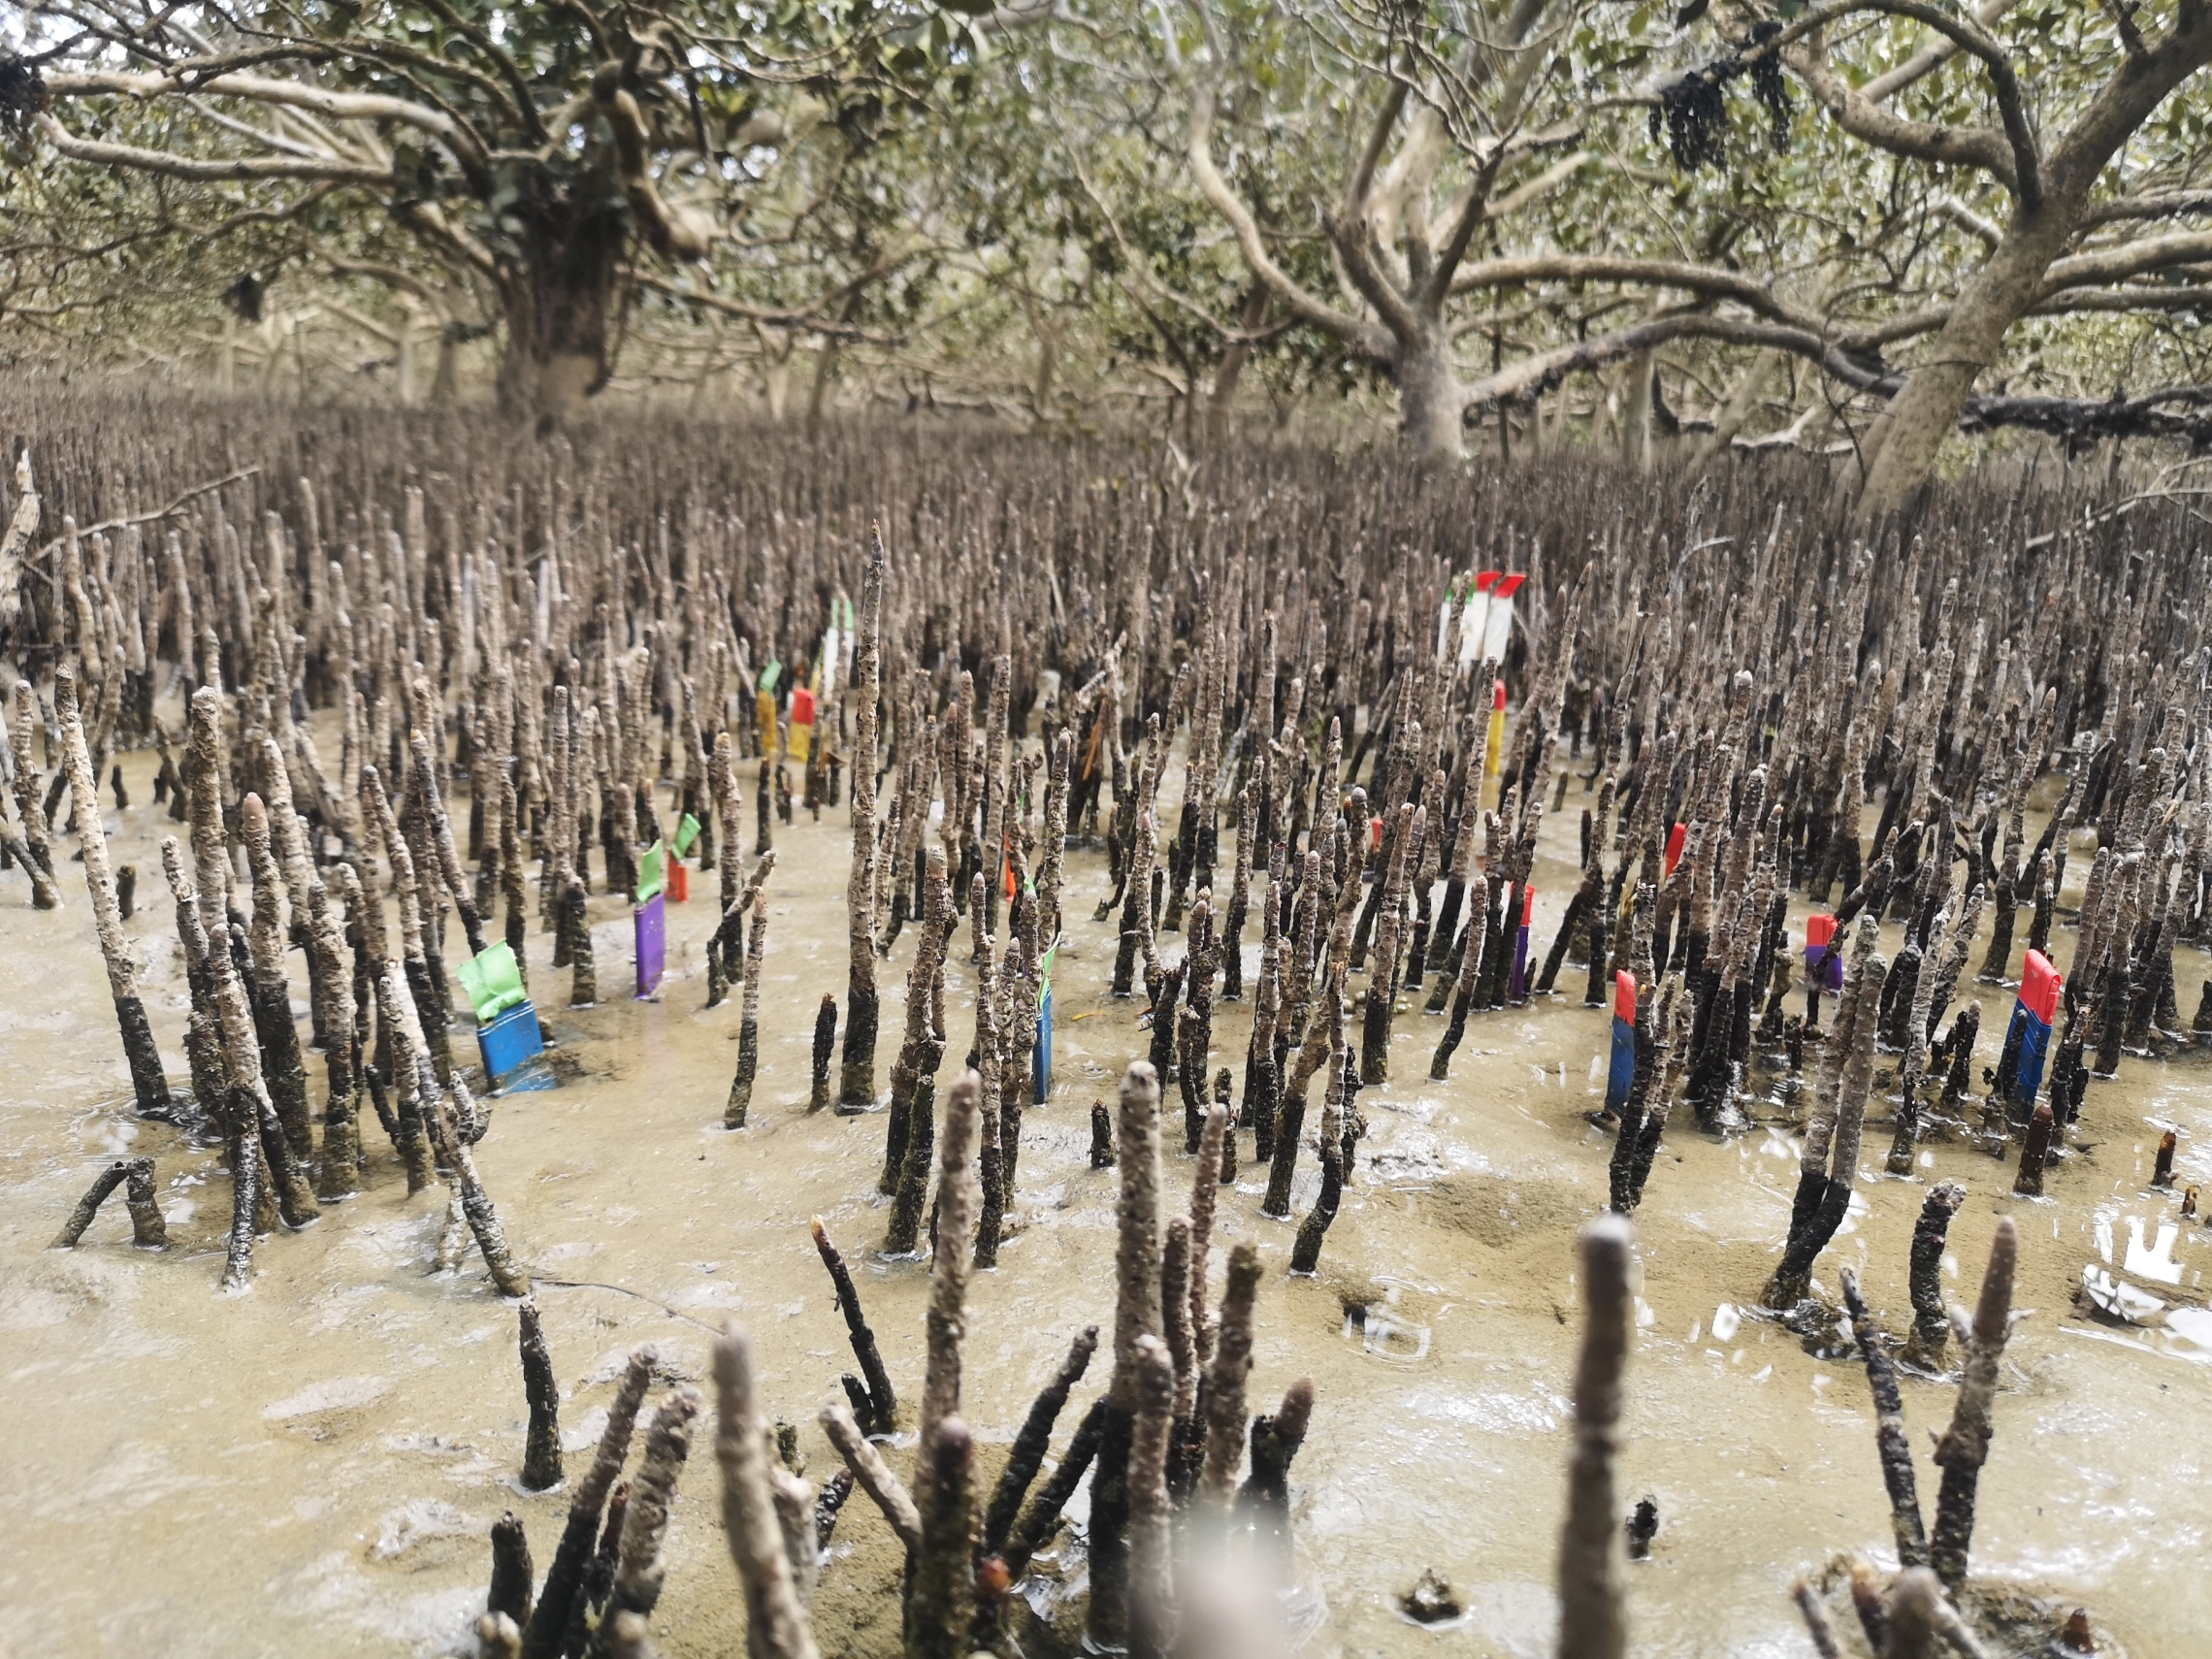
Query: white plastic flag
1498	625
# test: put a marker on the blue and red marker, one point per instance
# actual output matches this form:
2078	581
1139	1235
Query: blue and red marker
1519	991
1823	965
2028	1039
1622	1075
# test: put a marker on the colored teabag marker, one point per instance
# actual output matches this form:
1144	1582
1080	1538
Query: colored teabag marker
1475	619
1498	624
1494	752
1486	625
1520	945
1041	1057
2028	1039
650	919
1621	1075
1674	839
507	1024
1823	965
801	743
679	874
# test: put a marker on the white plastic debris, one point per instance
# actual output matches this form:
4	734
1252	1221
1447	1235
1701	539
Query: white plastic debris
2156	1262
2119	1298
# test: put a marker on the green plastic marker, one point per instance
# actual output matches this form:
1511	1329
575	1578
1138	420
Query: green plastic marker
687	832
771	674
652	872
493	982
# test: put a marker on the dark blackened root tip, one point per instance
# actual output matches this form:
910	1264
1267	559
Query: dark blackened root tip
1642	1528
511	1571
1101	1136
1431	1600
855	1080
2034	1152
88	1206
541	1454
1306	1252
149	1082
148	1229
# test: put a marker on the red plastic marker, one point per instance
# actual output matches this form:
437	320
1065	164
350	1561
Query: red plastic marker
802	740
1674	839
2039	984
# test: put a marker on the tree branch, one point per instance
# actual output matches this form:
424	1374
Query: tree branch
1921	141
1532	376
2026	160
467	148
670	232
1931	60
1362	335
229	170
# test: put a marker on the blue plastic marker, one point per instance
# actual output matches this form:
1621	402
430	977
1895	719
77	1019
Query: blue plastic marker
650	919
1622	1077
2032	1012
507	1024
1519	984
1041	1058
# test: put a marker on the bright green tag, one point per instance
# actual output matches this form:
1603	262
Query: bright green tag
493	982
687	832
652	872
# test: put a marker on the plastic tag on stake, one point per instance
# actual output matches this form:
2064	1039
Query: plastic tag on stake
801	741
1520	945
1824	968
1041	1057
1494	753
508	1041
1498	626
1621	1075
2032	1012
493	981
650	921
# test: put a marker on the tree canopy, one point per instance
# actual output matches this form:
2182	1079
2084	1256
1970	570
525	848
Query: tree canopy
1866	226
